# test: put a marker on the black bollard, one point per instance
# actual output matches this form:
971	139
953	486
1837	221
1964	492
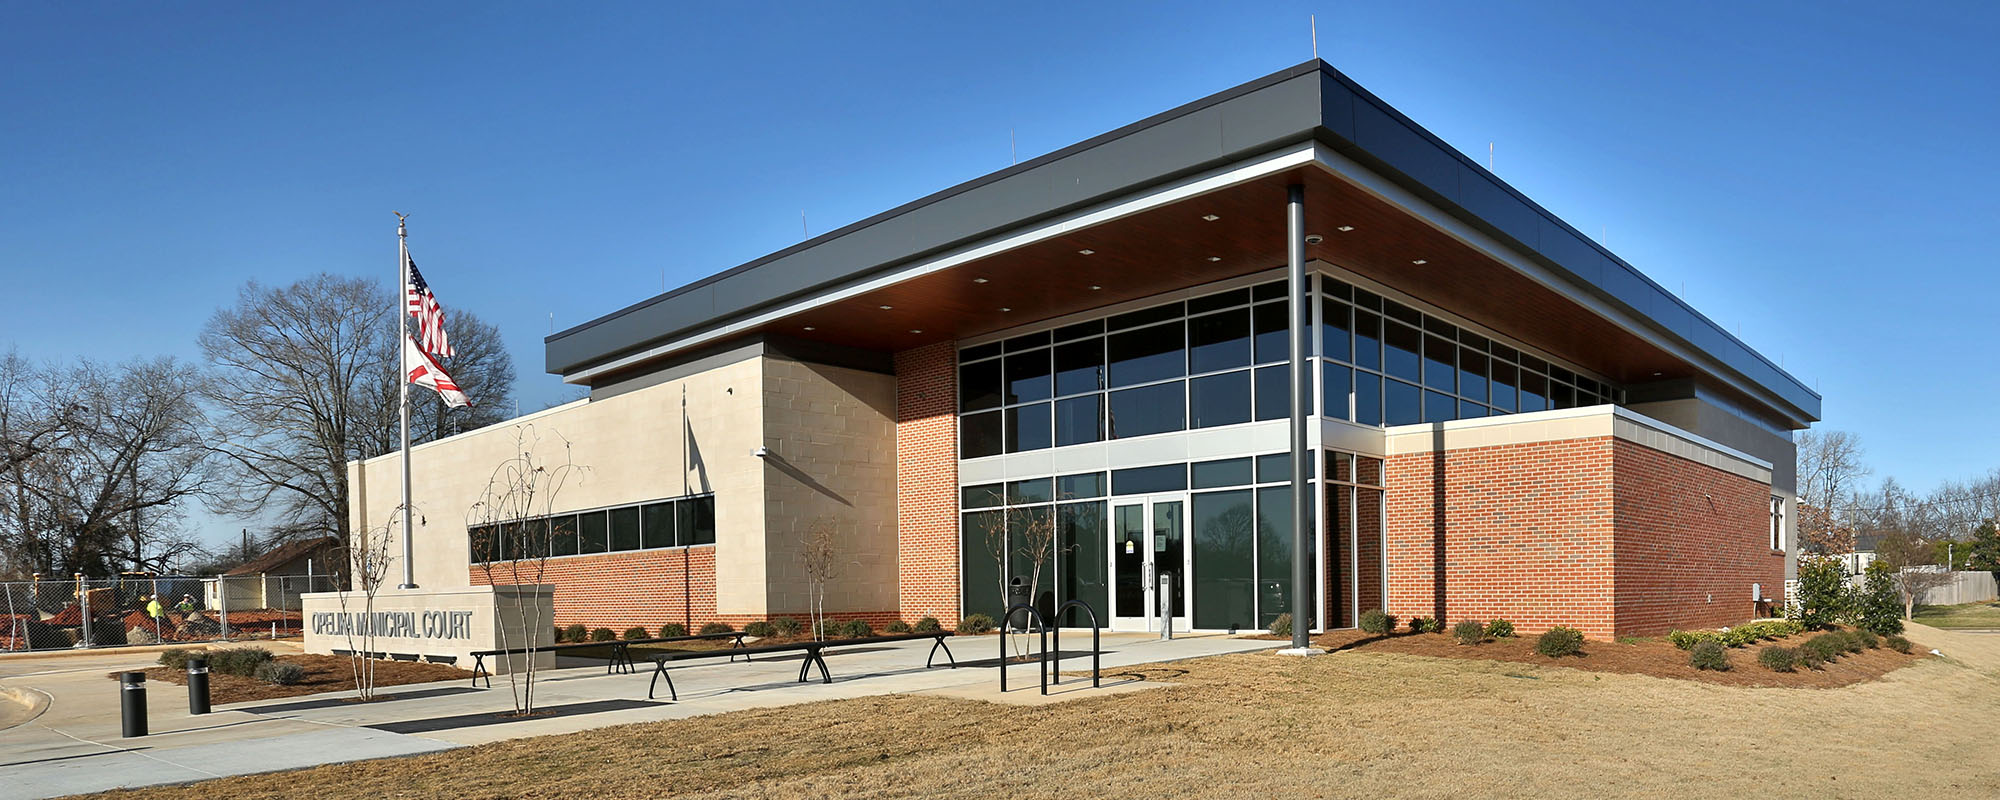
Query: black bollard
132	702
197	685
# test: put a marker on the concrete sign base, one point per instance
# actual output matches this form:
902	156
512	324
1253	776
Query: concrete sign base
444	625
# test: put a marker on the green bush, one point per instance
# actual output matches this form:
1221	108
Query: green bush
1898	644
975	624
575	633
1282	625
827	629
1686	640
238	660
1500	629
1810	658
929	625
1710	655
1559	642
176	658
280	673
634	632
760	628
672	630
786	626
898	627
1469	631
856	629
712	628
1822	596
1852	640
1374	621
1827	646
1777	658
602	635
1868	639
1877	607
1424	625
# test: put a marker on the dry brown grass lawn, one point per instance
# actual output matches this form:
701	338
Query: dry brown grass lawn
1354	724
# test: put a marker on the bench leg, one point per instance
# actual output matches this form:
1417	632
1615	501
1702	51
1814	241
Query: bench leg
479	668
821	661
947	654
660	671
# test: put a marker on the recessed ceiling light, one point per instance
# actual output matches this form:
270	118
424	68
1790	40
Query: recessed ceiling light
811	328
978	280
1095	287
1420	262
885	308
1086	251
1657	374
916	330
1004	309
1210	217
1345	228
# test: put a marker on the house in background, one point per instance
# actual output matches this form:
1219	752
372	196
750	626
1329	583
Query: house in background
275	579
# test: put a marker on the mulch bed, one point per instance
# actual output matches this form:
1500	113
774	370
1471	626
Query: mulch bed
1653	657
323	674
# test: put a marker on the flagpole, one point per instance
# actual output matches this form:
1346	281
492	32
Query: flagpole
403	379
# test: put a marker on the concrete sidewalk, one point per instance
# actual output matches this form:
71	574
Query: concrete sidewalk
73	745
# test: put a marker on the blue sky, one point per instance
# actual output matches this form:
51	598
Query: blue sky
1814	175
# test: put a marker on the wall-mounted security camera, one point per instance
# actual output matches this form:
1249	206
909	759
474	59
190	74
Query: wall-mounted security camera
761	452
1314	238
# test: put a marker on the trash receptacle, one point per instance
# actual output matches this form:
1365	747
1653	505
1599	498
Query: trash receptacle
1017	594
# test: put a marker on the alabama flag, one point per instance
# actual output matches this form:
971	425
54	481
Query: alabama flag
424	371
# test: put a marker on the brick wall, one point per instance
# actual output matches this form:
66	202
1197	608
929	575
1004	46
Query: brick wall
1689	540
927	482
1526	529
619	590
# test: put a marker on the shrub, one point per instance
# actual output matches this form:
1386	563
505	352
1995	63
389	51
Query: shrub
974	624
1469	631
897	627
1898	644
1500	629
1282	626
575	633
238	660
673	629
712	628
280	673
786	626
1822	596
1826	645
1777	658
176	658
1877	608
856	629
602	635
1868	639
827	628
1424	625
1810	658
1686	640
928	625
1852	640
1374	621
1710	655
634	632
1559	642
760	628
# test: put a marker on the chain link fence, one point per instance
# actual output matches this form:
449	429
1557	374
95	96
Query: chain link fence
112	612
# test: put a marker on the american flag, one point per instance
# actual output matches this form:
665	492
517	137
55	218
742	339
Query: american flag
424	371
429	315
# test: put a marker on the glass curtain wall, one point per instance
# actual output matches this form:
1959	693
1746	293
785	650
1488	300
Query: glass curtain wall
678	522
1049	532
1353	530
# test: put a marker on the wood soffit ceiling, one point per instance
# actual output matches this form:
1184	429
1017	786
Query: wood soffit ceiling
1170	248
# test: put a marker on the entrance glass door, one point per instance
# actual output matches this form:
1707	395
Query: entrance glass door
1149	539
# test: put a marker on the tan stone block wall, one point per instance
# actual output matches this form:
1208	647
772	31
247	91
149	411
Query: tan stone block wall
831	433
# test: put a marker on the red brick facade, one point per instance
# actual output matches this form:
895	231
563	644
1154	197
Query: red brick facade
619	590
927	482
1601	534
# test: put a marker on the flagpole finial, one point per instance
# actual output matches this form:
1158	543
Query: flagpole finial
401	221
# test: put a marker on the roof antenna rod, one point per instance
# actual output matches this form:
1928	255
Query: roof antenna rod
1313	20
802	224
1489	156
1013	152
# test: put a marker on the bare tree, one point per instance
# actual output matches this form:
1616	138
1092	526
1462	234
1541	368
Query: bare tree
511	527
367	566
1911	563
818	560
1829	465
304	381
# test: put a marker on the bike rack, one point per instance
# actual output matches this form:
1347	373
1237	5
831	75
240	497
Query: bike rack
1096	674
1042	624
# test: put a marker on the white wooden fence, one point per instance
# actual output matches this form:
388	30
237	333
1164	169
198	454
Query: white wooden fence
1965	587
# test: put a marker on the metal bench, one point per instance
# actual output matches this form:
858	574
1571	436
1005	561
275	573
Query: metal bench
621	652
814	656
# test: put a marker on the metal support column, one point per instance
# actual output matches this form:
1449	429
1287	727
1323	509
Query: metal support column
1300	294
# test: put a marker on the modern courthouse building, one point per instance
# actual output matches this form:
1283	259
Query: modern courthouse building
1075	372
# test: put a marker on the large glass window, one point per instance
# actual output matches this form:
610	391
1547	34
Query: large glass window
1219	341
625	528
1224	559
591	532
1147	410
697	519
1146	355
1219	400
657	520
1079	420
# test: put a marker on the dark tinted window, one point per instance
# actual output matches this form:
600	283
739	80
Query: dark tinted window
1080	367
1472	375
1239	297
1561	396
697	519
657	520
1219	400
1145	355
625	528
1026	341
1033	490
1144	316
979	435
1073	487
1402	403
1079	420
1215	474
1367	340
1503	386
1028	376
1400	359
1272	332
562	535
1274	391
1534	392
1079	330
1471	410
1275	468
1146	480
1367	398
1219	341
1439	371
976	353
979	386
1151	409
985	495
1334	333
591	532
1440	407
1334	386
1398	311
1268	291
1028	428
